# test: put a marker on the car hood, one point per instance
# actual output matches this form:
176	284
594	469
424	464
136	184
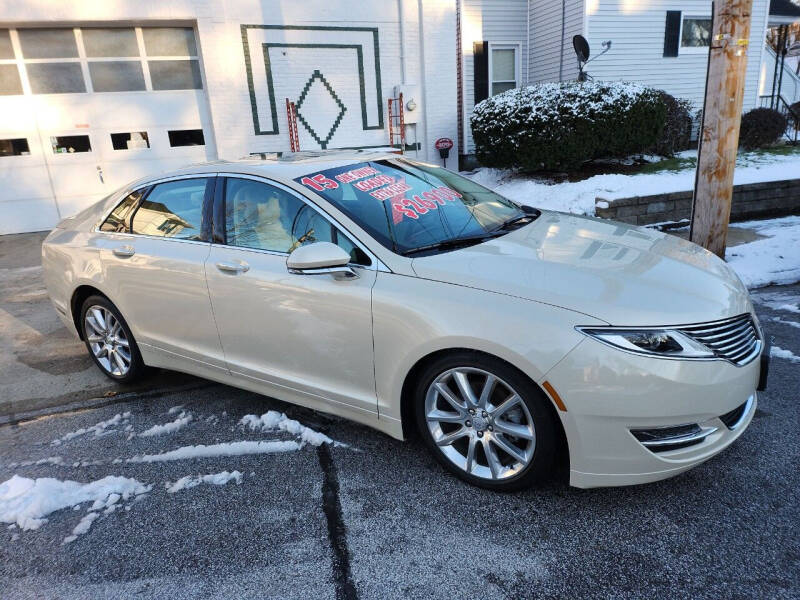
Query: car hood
621	274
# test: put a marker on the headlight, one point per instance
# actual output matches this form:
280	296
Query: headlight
665	343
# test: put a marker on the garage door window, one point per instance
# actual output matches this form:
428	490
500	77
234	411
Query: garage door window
97	59
6	50
186	137
69	144
106	43
10	83
173	209
14	147
130	141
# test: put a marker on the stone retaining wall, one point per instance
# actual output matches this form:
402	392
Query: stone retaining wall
750	201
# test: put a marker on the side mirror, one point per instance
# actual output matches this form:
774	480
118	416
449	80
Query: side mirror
320	258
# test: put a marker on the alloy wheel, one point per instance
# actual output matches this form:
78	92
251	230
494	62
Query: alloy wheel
480	423
107	340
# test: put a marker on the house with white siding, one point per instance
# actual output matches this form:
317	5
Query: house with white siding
660	43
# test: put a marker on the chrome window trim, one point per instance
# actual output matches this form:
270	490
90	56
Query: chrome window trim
377	264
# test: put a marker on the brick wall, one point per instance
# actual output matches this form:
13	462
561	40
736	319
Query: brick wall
750	201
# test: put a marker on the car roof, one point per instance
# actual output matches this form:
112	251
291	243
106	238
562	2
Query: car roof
286	166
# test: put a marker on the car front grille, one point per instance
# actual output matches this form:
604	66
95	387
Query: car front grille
735	339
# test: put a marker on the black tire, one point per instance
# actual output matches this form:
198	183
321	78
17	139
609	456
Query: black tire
137	367
539	466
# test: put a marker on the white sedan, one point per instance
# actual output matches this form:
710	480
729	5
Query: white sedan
406	297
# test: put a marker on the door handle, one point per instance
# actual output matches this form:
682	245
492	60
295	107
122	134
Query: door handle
124	251
233	267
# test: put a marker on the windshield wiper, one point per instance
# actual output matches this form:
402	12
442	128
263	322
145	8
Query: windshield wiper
519	220
452	243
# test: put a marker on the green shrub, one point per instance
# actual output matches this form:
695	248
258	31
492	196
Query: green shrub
554	126
761	127
677	126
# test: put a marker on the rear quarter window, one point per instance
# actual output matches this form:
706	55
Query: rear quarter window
119	221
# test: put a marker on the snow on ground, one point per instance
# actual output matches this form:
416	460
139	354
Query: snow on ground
778	301
27	502
225	449
785	322
82	527
181	421
579	196
99	429
275	421
191	481
774	259
778	352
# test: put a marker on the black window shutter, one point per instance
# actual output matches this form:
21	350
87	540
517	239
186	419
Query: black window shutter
672	29
480	54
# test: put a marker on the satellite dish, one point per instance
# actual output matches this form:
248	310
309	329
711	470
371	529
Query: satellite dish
581	47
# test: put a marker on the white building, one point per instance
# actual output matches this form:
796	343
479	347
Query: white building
95	94
661	43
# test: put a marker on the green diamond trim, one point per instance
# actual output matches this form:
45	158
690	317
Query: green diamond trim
317	76
273	109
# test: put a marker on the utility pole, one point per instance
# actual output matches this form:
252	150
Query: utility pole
719	132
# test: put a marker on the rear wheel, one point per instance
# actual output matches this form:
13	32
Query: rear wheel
109	340
485	421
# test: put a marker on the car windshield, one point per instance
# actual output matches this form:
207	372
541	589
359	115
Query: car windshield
411	207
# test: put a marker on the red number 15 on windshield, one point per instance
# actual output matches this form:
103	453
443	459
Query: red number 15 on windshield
319	182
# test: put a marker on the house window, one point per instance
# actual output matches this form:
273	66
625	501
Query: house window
503	67
696	32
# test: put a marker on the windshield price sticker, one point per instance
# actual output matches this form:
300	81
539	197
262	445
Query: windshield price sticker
415	206
383	187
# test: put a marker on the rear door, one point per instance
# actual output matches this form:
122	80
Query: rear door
156	267
309	333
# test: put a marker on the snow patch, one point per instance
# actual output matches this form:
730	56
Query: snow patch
99	429
82	527
27	502
774	259
275	421
191	481
225	449
779	352
181	421
779	301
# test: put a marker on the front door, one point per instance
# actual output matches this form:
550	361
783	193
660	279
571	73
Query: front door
309	333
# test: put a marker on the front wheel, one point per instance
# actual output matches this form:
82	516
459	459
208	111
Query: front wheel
109	340
485	421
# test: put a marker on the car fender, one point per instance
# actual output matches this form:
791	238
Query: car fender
413	318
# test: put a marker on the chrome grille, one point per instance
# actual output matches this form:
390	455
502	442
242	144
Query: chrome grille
735	339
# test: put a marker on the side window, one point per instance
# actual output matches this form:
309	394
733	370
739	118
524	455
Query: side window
119	220
173	209
261	216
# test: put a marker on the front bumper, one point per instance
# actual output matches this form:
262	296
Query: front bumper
610	394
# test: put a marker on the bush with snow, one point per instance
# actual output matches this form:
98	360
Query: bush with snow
677	130
557	126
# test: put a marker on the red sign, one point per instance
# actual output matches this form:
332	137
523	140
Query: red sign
443	144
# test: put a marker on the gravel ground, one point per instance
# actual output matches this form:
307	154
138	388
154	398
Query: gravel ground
380	519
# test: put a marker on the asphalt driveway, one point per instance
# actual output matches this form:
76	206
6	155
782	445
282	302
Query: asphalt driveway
375	518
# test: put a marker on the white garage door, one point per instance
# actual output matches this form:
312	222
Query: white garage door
84	111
